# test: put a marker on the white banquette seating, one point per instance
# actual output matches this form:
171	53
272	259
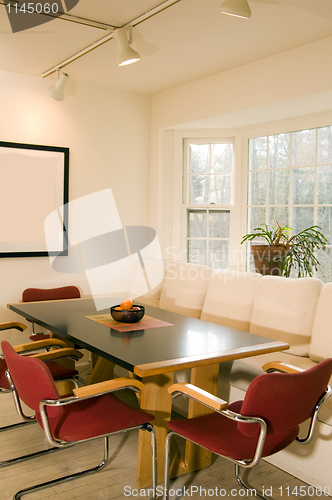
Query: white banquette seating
298	311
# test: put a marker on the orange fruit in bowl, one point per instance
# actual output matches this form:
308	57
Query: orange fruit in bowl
126	304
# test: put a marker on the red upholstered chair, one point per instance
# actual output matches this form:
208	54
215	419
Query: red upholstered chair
59	373
41	294
94	412
265	422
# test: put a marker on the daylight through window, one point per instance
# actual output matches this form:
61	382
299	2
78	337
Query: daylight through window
208	184
290	181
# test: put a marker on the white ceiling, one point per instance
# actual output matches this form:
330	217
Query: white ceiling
184	42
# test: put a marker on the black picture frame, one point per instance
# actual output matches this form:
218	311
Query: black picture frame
34	182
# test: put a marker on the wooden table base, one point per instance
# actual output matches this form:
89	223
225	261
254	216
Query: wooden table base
158	402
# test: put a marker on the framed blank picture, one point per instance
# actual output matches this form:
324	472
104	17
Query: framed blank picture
34	183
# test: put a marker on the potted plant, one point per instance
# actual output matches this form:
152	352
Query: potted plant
283	251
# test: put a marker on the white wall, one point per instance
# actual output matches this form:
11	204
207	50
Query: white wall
108	133
292	74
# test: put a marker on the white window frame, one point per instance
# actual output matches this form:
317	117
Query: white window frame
171	217
185	193
269	129
178	250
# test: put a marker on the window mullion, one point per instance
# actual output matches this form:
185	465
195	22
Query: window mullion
267	180
201	164
290	201
315	179
210	178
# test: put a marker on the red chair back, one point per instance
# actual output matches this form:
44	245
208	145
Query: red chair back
284	400
41	294
3	379
32	379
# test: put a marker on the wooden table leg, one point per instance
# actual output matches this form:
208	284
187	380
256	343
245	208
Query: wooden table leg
102	370
205	377
196	457
157	401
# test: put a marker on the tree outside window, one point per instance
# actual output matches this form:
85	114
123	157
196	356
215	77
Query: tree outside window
290	181
208	184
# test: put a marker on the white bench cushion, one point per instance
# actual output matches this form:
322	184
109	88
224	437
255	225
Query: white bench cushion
230	298
284	309
152	298
184	288
321	338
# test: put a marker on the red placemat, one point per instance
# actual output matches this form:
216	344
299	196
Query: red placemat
145	323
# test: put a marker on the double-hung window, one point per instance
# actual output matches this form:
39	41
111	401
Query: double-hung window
290	181
207	201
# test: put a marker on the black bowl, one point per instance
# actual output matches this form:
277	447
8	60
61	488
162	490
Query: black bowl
128	316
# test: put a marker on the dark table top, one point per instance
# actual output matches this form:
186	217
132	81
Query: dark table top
190	342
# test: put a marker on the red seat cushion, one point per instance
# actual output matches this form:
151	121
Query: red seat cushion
3	379
284	400
58	372
40	294
39	336
221	435
94	417
83	418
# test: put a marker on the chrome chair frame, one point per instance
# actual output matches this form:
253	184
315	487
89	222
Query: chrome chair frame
249	464
12	389
36	347
29	419
58	444
17	400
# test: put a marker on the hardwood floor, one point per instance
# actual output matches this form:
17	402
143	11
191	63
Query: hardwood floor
117	480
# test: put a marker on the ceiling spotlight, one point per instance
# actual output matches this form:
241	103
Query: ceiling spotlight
238	8
57	90
127	55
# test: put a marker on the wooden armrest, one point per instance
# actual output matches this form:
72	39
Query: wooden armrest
108	385
59	354
12	324
40	344
279	366
202	396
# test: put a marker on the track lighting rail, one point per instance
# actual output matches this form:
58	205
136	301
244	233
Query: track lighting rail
78	55
143	17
